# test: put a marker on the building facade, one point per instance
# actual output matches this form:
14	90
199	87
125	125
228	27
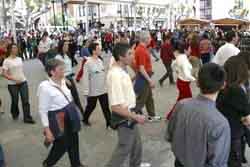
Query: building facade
214	9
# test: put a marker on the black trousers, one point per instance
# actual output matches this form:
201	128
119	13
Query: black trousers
91	104
169	73
14	91
177	163
235	157
69	143
75	93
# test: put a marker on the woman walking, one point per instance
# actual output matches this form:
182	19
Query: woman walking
183	69
63	55
95	85
17	84
59	116
232	102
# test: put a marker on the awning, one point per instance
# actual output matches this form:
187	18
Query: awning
193	21
230	22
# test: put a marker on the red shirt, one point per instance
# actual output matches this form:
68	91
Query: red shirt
142	58
108	37
152	44
166	53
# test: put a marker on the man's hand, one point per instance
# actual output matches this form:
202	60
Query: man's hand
139	118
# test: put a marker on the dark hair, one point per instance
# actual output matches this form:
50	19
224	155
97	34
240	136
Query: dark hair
237	71
180	46
211	78
245	57
52	64
230	35
45	34
120	49
9	48
60	47
205	36
92	47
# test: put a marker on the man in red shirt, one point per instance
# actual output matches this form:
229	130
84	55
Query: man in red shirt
143	82
167	56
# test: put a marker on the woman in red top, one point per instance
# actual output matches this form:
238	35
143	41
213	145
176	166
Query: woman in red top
194	54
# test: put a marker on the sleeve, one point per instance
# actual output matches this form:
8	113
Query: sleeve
218	145
188	71
141	59
240	101
115	93
5	65
86	79
43	104
172	123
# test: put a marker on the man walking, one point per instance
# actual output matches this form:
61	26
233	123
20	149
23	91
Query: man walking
122	101
143	82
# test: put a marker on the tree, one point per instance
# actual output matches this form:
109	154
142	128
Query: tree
33	8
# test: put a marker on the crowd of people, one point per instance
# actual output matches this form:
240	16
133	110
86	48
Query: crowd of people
211	129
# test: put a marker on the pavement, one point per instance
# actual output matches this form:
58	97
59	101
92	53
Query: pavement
23	144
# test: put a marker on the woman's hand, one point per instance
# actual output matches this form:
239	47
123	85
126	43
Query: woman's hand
48	135
246	120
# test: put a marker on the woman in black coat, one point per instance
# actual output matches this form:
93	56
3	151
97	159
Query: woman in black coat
233	104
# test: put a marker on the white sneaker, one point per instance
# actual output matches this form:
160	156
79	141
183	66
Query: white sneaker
154	119
145	164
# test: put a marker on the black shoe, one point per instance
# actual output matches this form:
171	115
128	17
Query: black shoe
244	160
160	82
86	123
29	121
15	118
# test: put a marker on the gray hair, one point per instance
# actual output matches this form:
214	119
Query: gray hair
144	36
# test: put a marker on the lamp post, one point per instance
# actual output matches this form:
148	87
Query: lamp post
54	14
63	15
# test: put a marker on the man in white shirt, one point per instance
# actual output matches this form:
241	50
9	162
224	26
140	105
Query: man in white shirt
228	50
122	100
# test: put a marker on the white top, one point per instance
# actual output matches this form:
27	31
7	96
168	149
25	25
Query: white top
183	68
80	40
44	47
120	88
14	67
94	77
68	64
224	53
51	99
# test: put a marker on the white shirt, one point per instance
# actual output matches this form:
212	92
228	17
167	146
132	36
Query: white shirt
183	68
51	99
224	53
120	88
80	40
14	68
68	64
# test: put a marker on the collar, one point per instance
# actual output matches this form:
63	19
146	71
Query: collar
55	84
207	100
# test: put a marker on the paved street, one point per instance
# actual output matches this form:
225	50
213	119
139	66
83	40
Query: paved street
23	144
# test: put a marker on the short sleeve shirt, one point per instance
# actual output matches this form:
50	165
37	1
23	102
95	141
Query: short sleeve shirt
120	88
15	68
142	58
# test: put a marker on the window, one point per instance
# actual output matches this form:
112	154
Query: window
206	9
239	4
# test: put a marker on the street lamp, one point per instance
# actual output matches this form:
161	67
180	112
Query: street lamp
63	15
54	14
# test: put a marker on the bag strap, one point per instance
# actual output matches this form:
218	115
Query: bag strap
62	93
